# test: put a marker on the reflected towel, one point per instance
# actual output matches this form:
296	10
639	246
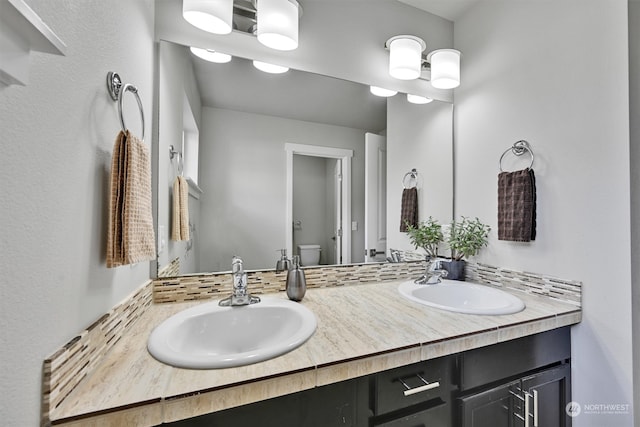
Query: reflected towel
517	206
130	234
409	209
180	223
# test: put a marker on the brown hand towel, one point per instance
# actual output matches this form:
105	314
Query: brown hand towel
180	223
130	235
517	206
409	210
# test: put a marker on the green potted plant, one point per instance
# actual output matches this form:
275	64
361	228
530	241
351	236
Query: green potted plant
427	235
465	239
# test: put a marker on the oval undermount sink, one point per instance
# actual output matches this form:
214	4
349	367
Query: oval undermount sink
462	297
209	336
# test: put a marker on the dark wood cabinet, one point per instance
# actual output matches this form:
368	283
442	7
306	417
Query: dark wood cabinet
531	388
521	383
538	400
550	392
489	408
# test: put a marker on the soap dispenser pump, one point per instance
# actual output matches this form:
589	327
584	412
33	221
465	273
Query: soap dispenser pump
296	282
283	264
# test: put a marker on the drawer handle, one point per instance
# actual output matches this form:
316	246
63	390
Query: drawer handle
427	386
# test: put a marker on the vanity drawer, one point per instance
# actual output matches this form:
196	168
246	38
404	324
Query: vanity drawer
410	385
435	416
511	358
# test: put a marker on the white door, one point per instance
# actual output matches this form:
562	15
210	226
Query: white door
337	177
375	198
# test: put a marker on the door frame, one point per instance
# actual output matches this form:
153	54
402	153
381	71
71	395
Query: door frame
375	202
329	153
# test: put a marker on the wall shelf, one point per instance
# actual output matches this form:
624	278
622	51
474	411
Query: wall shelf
194	190
23	31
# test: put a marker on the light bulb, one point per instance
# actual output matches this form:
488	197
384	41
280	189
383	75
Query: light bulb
213	16
405	57
380	91
417	99
211	55
278	24
445	68
270	68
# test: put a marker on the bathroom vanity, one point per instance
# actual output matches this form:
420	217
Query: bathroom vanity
368	337
493	386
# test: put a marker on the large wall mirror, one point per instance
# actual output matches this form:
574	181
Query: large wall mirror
279	160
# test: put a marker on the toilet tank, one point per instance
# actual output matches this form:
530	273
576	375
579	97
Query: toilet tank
309	254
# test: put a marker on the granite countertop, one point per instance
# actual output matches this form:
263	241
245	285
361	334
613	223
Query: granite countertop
362	329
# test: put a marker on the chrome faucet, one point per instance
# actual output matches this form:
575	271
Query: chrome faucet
433	274
240	295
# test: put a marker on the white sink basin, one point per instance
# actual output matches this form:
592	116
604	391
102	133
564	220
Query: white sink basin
209	336
462	297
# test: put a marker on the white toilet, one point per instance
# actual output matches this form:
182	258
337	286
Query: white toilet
309	254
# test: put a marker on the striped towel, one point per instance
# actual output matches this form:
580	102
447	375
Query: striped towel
517	206
130	234
409	209
180	223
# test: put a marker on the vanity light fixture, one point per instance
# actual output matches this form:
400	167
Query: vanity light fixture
445	68
405	57
278	23
211	55
417	99
407	63
270	68
213	16
380	91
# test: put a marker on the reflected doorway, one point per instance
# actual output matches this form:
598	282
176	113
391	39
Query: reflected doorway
319	200
317	208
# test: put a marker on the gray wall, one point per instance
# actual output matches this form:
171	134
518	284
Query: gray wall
243	176
420	137
537	70
57	138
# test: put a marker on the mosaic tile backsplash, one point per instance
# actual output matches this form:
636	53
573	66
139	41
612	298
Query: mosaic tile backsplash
219	285
569	291
64	370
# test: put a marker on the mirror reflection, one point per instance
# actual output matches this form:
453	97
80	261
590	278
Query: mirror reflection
278	161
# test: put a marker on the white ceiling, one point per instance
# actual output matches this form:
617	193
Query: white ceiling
448	9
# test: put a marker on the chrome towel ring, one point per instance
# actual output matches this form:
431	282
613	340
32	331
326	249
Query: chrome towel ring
518	148
117	91
411	178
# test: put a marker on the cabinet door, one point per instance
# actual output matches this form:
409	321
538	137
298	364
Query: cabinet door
491	408
551	391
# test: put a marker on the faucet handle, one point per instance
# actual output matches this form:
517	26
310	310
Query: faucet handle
236	265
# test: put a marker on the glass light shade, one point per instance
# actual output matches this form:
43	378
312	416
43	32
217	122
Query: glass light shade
405	57
417	99
211	55
380	91
213	16
270	68
278	24
445	68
